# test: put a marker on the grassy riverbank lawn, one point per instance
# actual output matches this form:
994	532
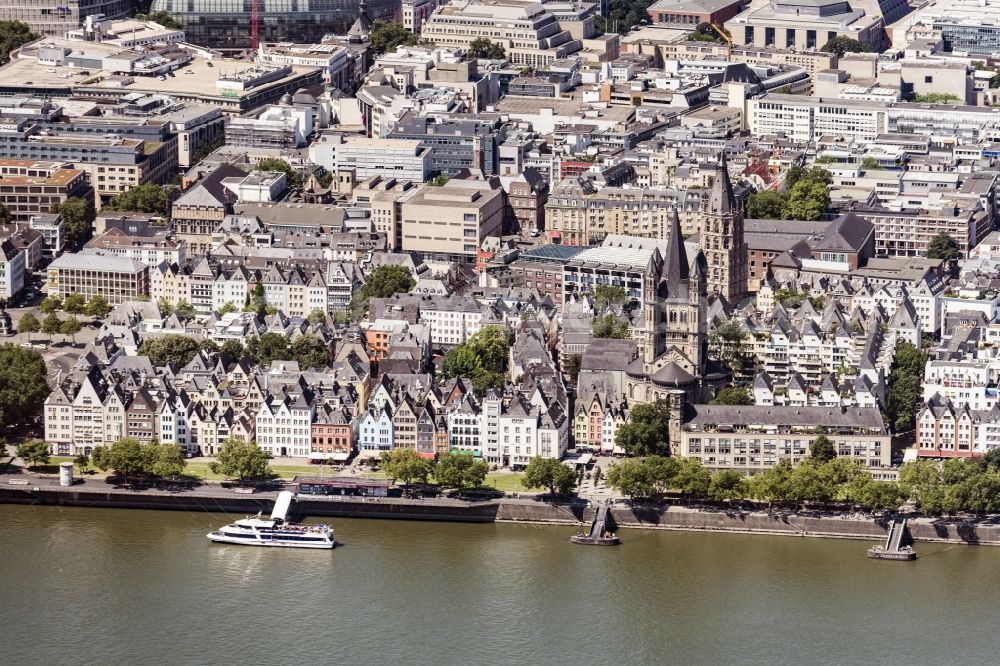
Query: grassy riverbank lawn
507	482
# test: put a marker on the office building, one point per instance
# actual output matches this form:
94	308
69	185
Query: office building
117	279
404	159
688	14
806	119
415	12
30	188
456	142
56	67
12	267
964	26
810	24
277	127
452	221
225	24
47	18
334	60
531	35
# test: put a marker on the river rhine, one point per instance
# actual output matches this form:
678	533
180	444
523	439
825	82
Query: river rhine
88	586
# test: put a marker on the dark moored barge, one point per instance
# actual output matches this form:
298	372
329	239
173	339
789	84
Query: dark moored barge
893	550
599	534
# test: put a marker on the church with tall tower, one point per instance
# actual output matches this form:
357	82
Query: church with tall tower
674	340
722	239
675	345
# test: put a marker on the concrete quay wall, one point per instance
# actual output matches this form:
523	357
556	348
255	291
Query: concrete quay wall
983	532
217	499
227	501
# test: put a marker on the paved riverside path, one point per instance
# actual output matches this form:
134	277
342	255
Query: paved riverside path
215	490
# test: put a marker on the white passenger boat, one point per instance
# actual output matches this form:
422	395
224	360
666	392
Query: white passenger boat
274	531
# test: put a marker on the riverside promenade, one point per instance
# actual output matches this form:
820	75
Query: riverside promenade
215	498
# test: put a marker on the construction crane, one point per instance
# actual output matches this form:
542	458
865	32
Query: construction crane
722	33
254	25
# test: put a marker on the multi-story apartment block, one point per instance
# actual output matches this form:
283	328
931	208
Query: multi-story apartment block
620	261
169	282
113	163
284	425
342	280
966	125
528	192
332	434
905	225
12	267
452	320
946	429
415	12
375	433
752	439
294	291
580	213
465	428
53	231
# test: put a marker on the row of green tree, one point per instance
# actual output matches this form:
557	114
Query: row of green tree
948	487
163	18
385	36
51	325
622	15
129	458
841	45
704	32
454	469
183	309
78	219
383	282
484	358
148	198
952	486
904	392
806	196
23	384
76	304
13	35
820	479
308	351
608	323
481	47
943	246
